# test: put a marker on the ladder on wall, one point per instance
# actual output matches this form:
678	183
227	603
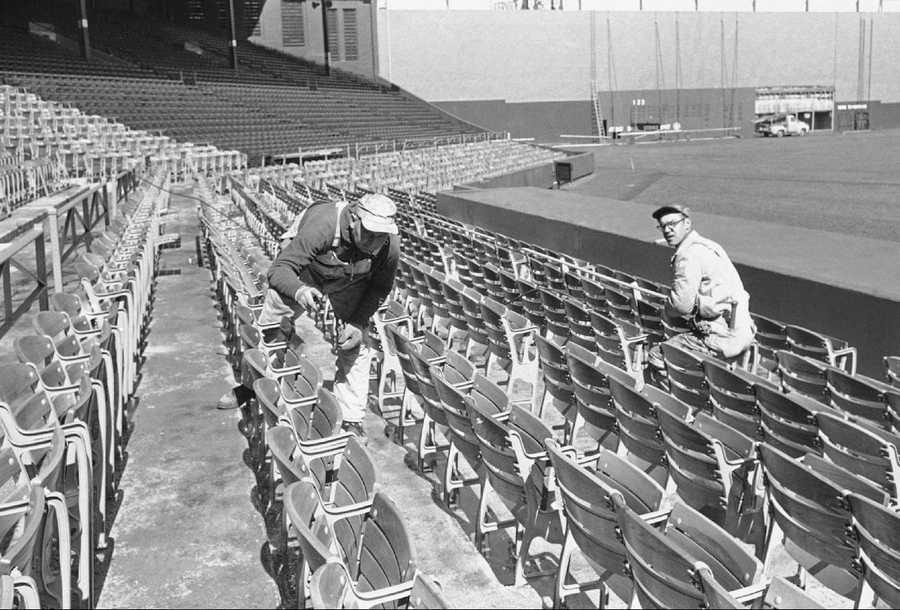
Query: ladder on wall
597	111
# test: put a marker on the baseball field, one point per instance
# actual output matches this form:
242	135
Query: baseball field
846	184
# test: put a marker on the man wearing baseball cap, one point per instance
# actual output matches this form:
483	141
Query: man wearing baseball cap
706	288
348	252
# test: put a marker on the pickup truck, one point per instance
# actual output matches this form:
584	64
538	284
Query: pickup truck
779	125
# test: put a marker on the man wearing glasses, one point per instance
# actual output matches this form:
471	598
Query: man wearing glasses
706	288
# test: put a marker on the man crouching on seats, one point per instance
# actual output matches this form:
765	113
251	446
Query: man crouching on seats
348	252
706	289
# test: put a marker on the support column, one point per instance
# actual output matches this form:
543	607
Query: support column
55	250
233	41
325	36
83	26
40	263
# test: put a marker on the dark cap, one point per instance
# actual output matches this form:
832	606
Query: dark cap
672	209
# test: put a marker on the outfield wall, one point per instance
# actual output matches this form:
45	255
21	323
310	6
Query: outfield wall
531	72
692	108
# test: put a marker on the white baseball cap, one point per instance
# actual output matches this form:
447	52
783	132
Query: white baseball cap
376	212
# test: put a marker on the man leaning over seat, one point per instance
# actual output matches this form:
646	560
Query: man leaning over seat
349	253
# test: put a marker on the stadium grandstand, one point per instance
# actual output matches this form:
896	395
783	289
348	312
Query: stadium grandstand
521	448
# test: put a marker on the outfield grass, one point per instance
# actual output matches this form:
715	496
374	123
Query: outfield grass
843	183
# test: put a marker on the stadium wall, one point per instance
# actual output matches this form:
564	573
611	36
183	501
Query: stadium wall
541	120
881	113
692	108
508	69
308	43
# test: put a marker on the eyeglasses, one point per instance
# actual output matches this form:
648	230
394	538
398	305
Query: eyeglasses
669	225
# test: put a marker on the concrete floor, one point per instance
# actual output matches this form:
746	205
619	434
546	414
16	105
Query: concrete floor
186	534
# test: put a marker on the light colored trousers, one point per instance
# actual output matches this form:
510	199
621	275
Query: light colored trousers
351	376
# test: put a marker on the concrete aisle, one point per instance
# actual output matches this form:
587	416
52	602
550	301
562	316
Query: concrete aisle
186	534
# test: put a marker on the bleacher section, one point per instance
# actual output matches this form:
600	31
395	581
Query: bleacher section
718	456
272	105
64	412
424	170
93	146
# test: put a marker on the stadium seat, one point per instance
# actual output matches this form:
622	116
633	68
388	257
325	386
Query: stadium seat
832	351
586	486
640	437
426	593
859	396
803	375
892	370
787	421
514	465
620	343
663	564
593	406
806	505
874	530
457	371
713	467
555	374
863	449
555	316
732	397
462	438
581	327
510	344
685	374
376	565
777	593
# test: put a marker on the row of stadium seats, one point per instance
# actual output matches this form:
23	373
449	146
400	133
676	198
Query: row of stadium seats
316	483
23	182
228	117
63	140
64	413
417	170
745	448
20	51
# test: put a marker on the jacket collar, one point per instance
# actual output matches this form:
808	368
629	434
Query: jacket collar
690	238
687	241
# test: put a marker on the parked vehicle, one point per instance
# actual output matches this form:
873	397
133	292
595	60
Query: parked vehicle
779	125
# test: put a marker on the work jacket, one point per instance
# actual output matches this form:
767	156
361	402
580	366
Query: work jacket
323	255
704	275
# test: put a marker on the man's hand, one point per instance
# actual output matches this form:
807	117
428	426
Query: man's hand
308	297
350	337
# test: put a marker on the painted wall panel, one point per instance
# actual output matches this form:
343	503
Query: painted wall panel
546	121
271	35
542	120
